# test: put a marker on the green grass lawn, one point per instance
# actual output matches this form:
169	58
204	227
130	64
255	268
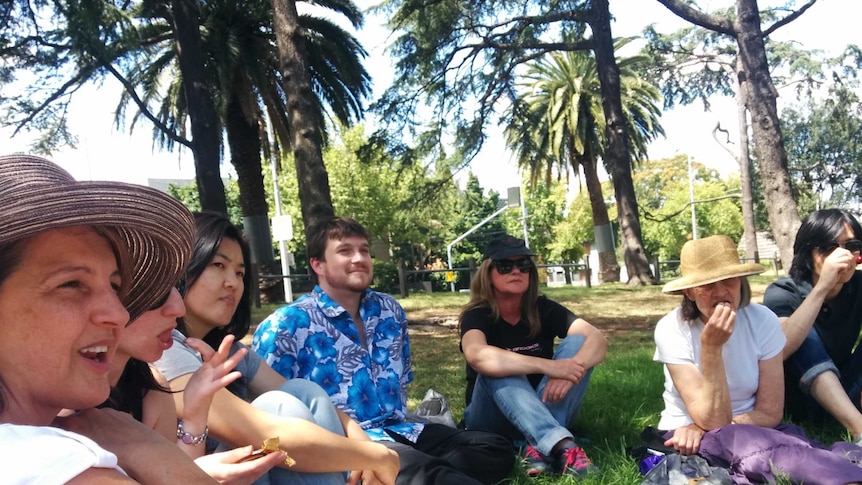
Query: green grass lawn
625	391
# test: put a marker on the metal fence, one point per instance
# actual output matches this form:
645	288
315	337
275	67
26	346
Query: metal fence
271	289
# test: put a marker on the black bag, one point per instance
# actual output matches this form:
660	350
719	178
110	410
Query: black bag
485	457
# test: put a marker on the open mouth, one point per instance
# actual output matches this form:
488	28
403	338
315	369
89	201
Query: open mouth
98	353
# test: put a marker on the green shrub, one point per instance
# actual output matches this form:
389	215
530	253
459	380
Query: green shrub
385	277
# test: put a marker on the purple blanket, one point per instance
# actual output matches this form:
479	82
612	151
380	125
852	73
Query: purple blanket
756	455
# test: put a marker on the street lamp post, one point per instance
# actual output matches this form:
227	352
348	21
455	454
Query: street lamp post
691	199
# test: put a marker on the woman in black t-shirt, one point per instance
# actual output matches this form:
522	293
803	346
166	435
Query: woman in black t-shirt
518	386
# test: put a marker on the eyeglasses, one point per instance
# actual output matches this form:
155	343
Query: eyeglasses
504	266
852	245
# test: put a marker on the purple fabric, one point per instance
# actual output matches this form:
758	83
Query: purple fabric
755	455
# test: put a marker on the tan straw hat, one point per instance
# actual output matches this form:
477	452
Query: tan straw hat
707	260
154	232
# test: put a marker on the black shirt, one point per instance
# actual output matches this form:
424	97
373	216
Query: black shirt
839	320
555	320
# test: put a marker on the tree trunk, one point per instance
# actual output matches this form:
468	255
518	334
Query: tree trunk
206	130
609	270
245	147
617	152
771	156
303	116
749	230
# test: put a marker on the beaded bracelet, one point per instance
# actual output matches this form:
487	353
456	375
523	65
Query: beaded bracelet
189	438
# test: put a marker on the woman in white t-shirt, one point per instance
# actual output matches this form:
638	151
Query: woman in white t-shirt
721	353
69	254
724	377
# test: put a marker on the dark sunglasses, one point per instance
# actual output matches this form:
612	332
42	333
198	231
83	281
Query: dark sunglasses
504	266
852	245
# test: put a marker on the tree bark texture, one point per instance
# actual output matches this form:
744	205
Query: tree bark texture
749	229
302	112
771	155
617	153
243	138
205	126
609	269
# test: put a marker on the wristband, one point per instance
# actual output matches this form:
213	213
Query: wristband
189	438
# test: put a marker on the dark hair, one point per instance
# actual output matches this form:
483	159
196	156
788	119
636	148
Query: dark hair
128	395
689	308
336	228
820	229
210	229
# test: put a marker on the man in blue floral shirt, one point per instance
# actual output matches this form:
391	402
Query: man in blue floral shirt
353	341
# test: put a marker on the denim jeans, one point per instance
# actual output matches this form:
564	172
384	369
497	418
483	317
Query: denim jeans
306	400
810	360
509	406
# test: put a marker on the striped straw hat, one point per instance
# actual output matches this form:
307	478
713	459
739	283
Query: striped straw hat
153	233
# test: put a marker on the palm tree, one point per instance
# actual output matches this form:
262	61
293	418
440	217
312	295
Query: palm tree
559	123
247	85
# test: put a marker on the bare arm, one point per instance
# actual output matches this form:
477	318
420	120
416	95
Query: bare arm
314	448
100	476
705	392
137	447
769	400
797	326
496	362
595	345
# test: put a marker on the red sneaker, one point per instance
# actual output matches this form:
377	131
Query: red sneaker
573	461
533	462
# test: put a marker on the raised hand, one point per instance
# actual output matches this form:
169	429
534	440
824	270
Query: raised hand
213	375
719	327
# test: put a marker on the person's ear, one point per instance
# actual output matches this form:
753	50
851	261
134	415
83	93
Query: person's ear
316	264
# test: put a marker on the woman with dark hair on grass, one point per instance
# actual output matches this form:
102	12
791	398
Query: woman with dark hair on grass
324	442
517	384
820	309
142	391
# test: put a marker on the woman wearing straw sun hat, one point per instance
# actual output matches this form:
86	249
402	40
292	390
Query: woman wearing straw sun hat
721	353
724	379
77	260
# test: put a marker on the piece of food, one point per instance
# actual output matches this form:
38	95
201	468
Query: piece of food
270	445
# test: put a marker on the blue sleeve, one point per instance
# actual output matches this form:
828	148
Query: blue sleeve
274	340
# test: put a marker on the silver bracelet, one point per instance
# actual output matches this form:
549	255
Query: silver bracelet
189	438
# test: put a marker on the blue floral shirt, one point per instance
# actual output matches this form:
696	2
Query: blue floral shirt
315	338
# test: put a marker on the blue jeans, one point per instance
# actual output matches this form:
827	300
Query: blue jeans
306	400
810	360
509	406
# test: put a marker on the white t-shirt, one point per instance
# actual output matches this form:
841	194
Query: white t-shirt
48	456
756	336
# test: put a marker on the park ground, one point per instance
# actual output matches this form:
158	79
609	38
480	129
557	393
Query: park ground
625	391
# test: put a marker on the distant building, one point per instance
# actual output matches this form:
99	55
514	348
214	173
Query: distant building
766	247
162	184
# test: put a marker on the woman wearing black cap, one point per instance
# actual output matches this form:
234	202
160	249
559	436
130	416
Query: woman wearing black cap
517	385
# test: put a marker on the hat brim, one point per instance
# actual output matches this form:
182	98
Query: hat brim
154	230
676	286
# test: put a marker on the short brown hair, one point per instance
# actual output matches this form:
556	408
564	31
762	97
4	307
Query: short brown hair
336	228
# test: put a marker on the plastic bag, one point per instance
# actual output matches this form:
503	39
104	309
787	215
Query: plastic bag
676	469
433	409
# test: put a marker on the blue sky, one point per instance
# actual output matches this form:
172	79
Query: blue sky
108	154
